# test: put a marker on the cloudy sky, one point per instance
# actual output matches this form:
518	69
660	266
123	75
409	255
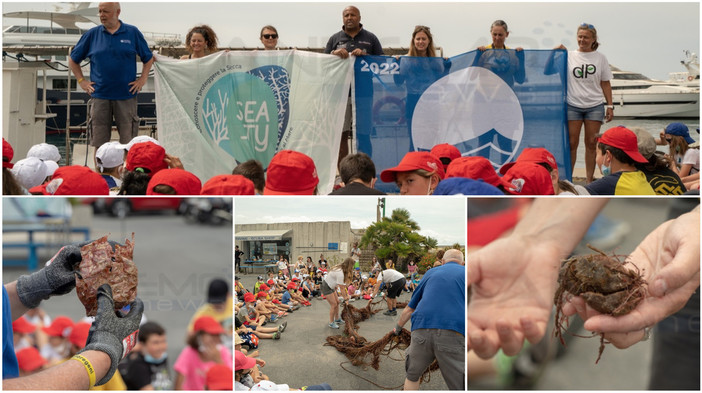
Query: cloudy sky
443	218
647	37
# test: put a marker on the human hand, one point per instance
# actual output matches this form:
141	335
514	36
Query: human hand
173	162
561	46
112	334
482	48
513	281
56	278
137	85
261	362
358	52
397	330
609	115
669	260
87	86
341	52
662	137
519	49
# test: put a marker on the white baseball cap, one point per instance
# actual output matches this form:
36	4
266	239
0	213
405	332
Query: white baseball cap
135	140
110	155
45	152
29	172
51	167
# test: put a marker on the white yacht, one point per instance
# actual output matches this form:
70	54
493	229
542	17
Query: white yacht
636	95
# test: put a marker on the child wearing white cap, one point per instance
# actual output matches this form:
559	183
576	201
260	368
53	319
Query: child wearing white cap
108	163
30	172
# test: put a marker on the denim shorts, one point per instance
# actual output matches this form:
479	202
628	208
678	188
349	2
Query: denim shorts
596	113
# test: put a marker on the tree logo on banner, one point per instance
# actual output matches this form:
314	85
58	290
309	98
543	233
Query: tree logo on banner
478	113
246	113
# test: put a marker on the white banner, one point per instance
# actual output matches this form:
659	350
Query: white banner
231	107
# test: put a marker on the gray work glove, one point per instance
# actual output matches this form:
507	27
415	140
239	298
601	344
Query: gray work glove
112	334
56	278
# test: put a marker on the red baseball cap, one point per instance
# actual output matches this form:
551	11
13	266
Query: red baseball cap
243	362
29	359
262	294
60	327
291	173
148	156
411	162
264	287
22	325
249	297
445	150
7	153
530	179
75	180
228	185
270	282
536	155
292	286
219	377
477	168
79	334
624	139
207	324
182	181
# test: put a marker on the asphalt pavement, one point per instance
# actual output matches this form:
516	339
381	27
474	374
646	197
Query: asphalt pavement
176	262
300	358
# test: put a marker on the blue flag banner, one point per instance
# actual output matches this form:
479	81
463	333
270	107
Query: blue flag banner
492	104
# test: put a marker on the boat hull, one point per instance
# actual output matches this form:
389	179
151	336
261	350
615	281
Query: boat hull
642	104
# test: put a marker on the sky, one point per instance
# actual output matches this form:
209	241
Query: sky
442	218
645	37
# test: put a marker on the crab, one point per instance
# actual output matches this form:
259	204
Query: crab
604	282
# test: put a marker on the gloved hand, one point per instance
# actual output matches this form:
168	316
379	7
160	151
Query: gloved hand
397	330
112	334
57	278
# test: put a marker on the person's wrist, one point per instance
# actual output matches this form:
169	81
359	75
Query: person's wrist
81	80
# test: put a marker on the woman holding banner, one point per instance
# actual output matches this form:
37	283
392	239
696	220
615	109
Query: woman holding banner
269	37
200	42
589	90
495	57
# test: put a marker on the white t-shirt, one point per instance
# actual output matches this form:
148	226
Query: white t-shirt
585	72
390	275
334	278
692	156
282	265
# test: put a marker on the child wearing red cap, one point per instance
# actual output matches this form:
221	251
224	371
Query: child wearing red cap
203	351
29	361
174	181
617	155
418	173
57	348
291	173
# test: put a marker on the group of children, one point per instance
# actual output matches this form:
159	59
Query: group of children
627	159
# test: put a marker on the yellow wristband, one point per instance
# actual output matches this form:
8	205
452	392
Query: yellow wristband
88	367
81	80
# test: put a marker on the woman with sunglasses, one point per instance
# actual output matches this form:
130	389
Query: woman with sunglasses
496	57
200	42
589	95
269	37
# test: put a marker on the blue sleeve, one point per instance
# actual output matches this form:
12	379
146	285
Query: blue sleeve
80	51
604	186
9	360
419	291
142	47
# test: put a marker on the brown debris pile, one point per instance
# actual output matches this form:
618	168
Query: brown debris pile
604	282
100	265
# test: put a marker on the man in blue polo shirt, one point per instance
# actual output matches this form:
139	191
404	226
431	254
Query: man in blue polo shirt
437	309
112	49
354	40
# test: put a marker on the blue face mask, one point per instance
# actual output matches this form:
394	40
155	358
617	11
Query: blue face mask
606	171
150	359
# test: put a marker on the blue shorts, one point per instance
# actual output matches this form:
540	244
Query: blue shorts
596	113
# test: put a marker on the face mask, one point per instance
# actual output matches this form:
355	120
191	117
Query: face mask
150	359
606	170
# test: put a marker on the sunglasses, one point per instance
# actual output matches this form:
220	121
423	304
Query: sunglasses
668	140
269	36
589	26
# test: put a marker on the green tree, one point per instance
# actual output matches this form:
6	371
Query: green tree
397	238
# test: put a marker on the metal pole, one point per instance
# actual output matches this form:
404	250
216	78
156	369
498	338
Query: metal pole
68	114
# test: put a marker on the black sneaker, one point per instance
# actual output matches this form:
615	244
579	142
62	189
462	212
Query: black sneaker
393	312
389	312
282	327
